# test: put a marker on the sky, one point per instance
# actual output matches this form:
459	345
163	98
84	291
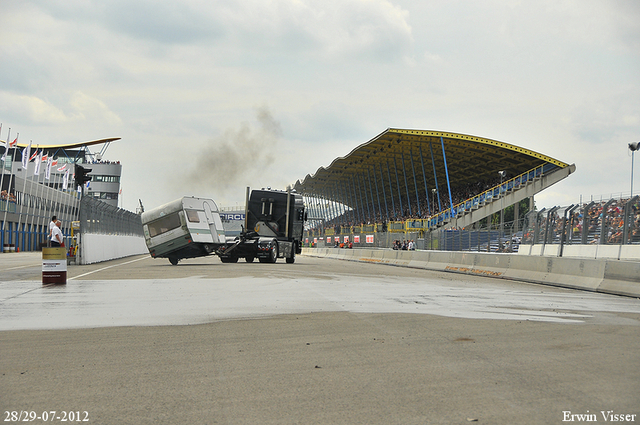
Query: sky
209	97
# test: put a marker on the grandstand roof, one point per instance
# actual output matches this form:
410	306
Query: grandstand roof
73	145
469	159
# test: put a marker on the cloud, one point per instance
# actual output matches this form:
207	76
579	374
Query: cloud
80	108
374	29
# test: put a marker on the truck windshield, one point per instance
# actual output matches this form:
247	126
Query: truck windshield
164	224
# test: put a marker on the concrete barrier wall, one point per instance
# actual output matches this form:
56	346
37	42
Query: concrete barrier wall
613	252
599	275
97	247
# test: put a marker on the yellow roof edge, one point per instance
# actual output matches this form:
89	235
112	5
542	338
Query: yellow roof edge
478	139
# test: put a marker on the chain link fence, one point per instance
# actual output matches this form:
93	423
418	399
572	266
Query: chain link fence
97	217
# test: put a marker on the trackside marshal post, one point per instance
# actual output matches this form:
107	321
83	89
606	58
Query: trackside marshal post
54	265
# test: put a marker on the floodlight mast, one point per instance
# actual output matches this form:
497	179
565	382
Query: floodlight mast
633	147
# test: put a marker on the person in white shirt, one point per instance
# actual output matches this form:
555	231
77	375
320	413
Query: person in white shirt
56	235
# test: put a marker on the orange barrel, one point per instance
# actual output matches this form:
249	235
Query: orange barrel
54	265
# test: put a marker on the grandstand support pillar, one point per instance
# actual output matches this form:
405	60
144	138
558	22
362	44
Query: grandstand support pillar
395	166
352	188
393	203
373	204
424	176
501	236
336	207
349	198
532	203
489	234
344	205
366	212
375	179
317	213
331	205
516	216
446	172
435	177
342	209
323	208
406	185
415	182
331	211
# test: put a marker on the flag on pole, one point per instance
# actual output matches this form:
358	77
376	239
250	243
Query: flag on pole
44	158
65	181
36	171
26	152
47	173
54	163
31	158
8	146
64	167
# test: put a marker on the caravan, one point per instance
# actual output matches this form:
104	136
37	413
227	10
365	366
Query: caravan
188	227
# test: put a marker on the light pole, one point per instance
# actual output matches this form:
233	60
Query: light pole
633	147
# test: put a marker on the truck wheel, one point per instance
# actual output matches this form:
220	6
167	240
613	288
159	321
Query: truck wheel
249	259
229	259
173	261
273	253
292	258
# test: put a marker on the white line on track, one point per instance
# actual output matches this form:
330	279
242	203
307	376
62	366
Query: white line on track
24	267
105	268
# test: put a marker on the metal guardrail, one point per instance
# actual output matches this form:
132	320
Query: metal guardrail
98	217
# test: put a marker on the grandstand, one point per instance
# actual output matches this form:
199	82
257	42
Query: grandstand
421	180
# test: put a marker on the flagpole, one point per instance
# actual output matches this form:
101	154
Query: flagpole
54	195
42	219
4	162
35	194
4	158
6	202
55	184
25	153
67	194
38	161
45	195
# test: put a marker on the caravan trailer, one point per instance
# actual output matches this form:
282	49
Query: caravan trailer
188	227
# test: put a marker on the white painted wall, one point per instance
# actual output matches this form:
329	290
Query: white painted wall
95	248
